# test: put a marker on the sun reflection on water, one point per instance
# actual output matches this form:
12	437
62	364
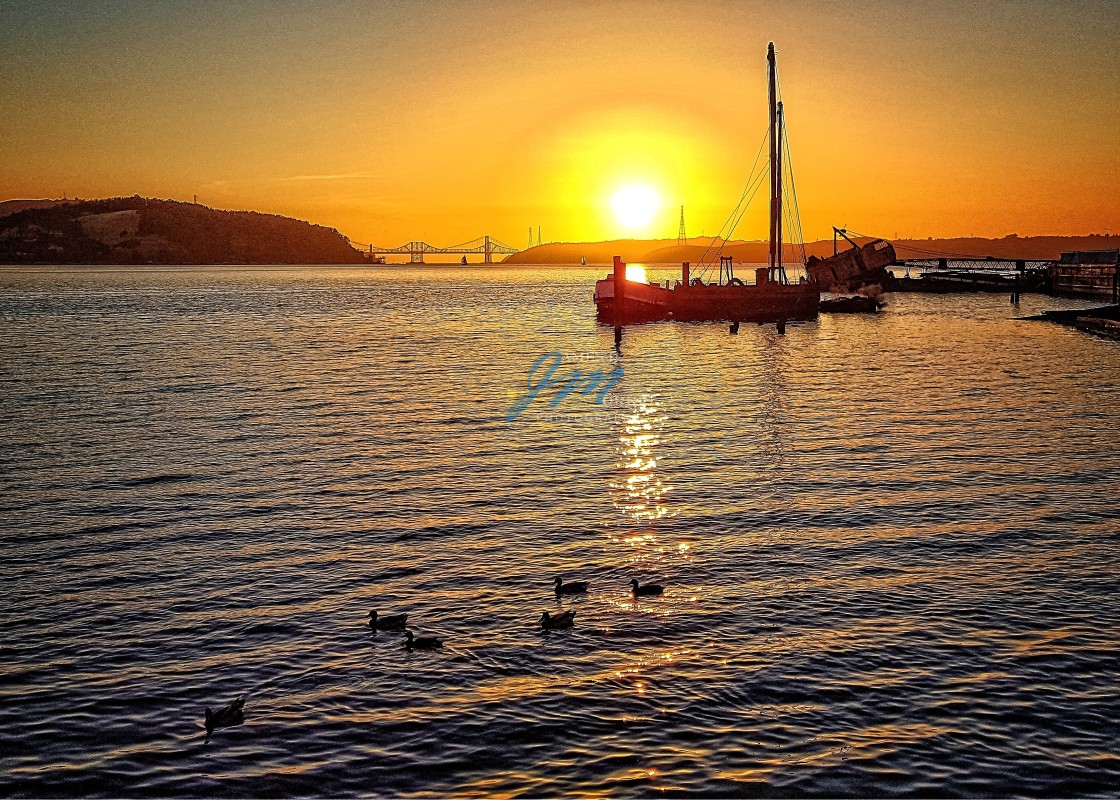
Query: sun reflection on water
639	493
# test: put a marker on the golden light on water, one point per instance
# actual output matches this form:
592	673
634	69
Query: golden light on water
636	273
639	491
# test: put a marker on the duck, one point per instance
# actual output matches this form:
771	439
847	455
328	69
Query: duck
389	622
561	620
649	590
226	716
421	642
575	587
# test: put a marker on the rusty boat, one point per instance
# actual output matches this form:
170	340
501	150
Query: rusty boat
848	270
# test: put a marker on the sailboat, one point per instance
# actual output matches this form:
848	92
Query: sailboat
770	298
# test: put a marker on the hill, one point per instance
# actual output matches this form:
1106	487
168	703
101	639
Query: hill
8	207
139	230
637	250
667	251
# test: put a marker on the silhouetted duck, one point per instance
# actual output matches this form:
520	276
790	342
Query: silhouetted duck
649	590
389	622
422	642
226	716
562	620
575	587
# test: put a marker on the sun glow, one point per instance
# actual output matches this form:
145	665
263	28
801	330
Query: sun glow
636	273
635	204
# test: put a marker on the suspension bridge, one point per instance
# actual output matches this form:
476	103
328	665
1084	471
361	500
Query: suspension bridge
486	246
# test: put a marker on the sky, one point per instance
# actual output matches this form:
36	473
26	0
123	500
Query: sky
445	121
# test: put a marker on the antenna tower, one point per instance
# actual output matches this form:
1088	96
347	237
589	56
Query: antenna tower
682	237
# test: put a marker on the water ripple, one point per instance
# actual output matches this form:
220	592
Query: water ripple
889	544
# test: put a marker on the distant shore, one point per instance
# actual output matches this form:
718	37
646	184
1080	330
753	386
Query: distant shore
139	231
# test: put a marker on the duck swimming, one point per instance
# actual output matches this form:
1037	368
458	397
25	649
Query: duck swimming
422	642
389	622
226	716
575	587
649	590
562	620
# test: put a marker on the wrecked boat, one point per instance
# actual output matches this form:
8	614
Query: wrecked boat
861	265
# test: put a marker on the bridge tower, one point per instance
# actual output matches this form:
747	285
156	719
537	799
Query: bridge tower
416	252
488	257
682	237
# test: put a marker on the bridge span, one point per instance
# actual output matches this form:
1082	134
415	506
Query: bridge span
486	246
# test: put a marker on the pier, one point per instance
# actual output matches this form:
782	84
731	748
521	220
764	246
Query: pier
1084	273
968	274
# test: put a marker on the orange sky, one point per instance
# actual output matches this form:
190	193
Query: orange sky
445	121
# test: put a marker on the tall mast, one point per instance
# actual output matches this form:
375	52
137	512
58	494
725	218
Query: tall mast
775	177
781	274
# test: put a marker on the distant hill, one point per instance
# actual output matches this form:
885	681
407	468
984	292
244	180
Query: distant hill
12	206
138	230
637	250
666	251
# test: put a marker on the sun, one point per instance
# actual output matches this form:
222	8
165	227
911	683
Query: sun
635	204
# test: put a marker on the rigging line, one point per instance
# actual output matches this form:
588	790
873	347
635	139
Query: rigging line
757	186
742	209
789	168
732	222
795	245
746	188
936	253
725	229
793	189
737	213
940	253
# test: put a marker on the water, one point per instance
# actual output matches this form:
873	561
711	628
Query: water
889	543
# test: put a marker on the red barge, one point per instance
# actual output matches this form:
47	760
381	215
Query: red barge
765	300
771	298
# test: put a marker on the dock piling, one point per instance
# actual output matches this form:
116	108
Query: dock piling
619	289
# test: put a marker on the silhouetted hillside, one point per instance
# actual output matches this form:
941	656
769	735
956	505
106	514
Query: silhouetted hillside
8	207
138	230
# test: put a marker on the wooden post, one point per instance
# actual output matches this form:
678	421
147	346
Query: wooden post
619	293
1116	280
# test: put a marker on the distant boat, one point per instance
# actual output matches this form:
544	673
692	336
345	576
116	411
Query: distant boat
464	261
771	298
583	261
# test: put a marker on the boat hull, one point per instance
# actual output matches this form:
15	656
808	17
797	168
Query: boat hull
761	302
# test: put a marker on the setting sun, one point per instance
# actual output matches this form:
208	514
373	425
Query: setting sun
635	204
